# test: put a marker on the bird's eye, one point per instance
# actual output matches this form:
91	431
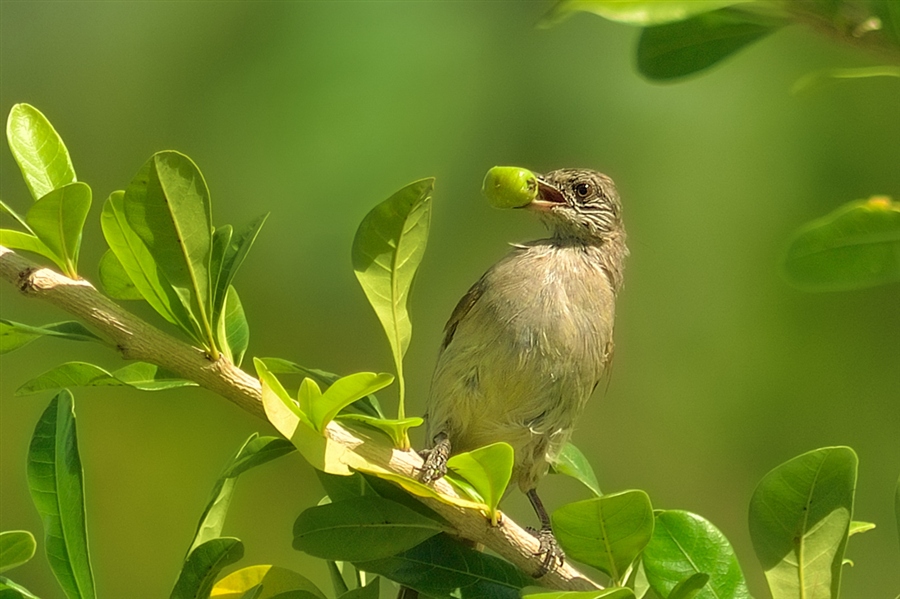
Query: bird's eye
583	190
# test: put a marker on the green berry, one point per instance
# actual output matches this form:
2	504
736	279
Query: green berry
509	186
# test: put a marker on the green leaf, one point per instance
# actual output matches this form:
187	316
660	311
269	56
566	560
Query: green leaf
11	590
234	335
678	49
571	462
16	548
854	247
370	591
221	239
200	570
274	581
140	375
344	392
799	520
819	79
115	281
4	207
55	479
337	578
611	593
387	250
14	335
167	205
397	430
690	587
685	545
58	220
361	529
17	240
637	12
859	527
235	252
606	532
39	151
444	568
488	469
897	506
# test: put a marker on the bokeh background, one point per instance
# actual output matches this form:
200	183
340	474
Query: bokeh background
316	111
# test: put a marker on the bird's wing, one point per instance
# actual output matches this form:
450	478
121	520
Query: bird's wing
462	308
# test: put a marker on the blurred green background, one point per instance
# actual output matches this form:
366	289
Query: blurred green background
316	111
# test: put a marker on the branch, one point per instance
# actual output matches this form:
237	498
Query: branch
138	340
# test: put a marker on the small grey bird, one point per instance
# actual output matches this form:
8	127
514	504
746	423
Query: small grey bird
528	343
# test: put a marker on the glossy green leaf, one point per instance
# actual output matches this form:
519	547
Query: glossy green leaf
690	587
684	545
337	577
4	207
488	469
55	479
273	580
39	151
167	205
235	252
58	220
115	281
637	12
443	568
342	488
141	267
344	392
203	565
368	405
16	548
571	462
854	247
221	240
678	49
397	430
370	591
361	529
387	250
17	240
819	79
799	520
606	532
234	335
14	335
11	590
611	593
860	527
140	375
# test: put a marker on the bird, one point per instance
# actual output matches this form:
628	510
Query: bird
528	343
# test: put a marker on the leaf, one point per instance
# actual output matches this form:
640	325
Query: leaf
234	336
606	532
141	267
685	545
11	590
859	527
14	335
200	570
397	430
690	587
140	375
274	580
4	207
636	12
343	392
58	220
17	240
799	519
39	151
387	250
897	506
55	479
611	593
167	205
370	591
221	239
488	469
115	281
16	548
337	578
854	247
678	49
444	568
235	252
361	529
822	78
571	462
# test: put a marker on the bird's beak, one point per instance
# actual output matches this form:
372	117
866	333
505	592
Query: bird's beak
548	197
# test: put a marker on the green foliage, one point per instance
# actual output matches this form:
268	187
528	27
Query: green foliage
611	593
14	335
818	79
571	462
690	587
639	12
11	590
18	240
203	565
55	479
39	151
800	516
323	407
273	582
16	548
897	506
607	532
397	430
140	375
685	546
58	218
233	334
115	280
488	469
856	246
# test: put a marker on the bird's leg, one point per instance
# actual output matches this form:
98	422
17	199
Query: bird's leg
436	459
550	552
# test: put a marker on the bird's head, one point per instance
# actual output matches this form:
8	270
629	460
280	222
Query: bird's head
579	204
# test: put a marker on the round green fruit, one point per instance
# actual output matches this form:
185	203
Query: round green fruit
509	186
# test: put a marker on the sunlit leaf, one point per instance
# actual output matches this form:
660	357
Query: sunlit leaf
799	521
11	590
235	252
678	49
690	587
16	548
140	375
612	593
488	469
55	479
397	430
344	392
14	335
274	581
17	240
819	79
685	545
856	246
58	220
606	532
571	462
39	150
115	281
860	527
203	565
4	207
387	250
234	335
637	12
361	529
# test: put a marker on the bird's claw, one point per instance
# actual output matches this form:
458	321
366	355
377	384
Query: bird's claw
551	554
435	466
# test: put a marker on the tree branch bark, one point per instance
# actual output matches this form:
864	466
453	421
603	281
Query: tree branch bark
137	340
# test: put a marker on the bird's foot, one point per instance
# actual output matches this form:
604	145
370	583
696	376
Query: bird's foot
551	554
435	465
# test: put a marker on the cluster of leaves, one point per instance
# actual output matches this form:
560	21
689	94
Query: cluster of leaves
856	246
